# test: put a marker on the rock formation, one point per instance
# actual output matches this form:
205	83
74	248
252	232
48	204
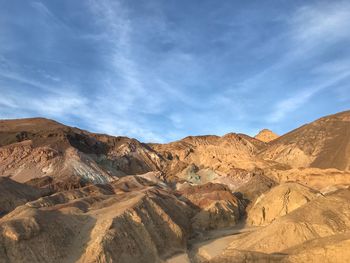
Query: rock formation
279	201
217	206
68	195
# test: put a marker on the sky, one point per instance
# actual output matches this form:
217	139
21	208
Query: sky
160	70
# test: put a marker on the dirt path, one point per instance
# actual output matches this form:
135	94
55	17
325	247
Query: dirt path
210	244
215	242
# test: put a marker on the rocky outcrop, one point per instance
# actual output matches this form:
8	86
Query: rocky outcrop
219	154
94	224
217	206
322	217
279	201
334	248
316	178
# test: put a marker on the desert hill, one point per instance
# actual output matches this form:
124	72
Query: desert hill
88	224
266	135
278	202
323	216
204	158
43	147
68	195
39	147
323	143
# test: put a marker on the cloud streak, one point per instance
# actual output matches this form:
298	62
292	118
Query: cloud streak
159	71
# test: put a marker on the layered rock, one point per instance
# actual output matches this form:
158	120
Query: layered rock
217	206
219	154
98	198
95	224
32	148
322	217
316	178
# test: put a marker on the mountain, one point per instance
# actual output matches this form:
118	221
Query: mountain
32	148
266	135
323	143
204	158
69	195
88	224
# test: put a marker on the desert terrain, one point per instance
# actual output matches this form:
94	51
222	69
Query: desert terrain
68	195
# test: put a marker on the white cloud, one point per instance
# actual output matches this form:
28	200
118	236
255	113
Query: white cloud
313	30
323	23
60	106
8	102
288	105
129	92
140	90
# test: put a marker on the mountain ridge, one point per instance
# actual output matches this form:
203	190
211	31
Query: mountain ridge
69	195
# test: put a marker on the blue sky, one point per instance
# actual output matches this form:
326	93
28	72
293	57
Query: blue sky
159	70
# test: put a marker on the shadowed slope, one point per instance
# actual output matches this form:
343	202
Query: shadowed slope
39	147
323	143
13	194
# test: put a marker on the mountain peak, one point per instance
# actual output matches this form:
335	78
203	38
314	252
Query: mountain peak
266	135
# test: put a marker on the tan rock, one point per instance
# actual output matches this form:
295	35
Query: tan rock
279	201
217	206
323	143
323	216
266	135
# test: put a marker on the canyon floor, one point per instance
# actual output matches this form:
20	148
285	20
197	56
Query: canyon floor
69	195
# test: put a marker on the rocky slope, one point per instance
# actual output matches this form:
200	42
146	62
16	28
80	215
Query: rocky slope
68	195
88	224
323	143
322	217
209	155
315	232
13	194
279	201
32	148
217	206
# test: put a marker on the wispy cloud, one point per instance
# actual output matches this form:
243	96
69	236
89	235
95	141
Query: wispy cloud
44	10
286	106
322	24
123	95
158	71
314	30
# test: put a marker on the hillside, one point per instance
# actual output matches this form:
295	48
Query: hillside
323	143
68	195
32	148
